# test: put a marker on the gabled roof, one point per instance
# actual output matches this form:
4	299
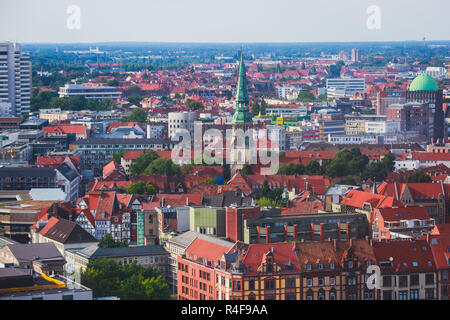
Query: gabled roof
205	249
357	199
65	231
405	213
35	251
406	255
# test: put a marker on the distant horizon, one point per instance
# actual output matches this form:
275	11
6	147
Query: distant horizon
230	42
214	21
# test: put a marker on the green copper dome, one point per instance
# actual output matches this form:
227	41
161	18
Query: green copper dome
423	82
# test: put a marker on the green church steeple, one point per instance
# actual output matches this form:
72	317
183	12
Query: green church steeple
242	113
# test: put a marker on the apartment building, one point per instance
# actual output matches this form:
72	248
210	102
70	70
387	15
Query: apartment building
15	80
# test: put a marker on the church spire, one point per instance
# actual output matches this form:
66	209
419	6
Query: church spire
242	113
241	90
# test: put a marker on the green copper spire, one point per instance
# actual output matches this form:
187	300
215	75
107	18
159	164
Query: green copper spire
242	113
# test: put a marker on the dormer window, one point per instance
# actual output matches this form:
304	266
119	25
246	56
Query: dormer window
331	266
320	266
309	266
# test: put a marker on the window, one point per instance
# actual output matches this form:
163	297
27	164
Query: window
403	281
320	266
309	266
444	275
414	294
251	285
332	281
350	264
309	282
290	283
269	284
387	281
429	278
331	265
320	281
332	295
403	295
414	280
429	293
387	295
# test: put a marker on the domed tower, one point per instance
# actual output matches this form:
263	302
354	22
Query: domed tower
424	89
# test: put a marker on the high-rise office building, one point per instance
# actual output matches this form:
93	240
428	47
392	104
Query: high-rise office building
15	80
355	55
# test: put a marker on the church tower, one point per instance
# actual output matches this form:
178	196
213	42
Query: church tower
242	120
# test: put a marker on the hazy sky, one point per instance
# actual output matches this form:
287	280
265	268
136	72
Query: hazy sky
223	20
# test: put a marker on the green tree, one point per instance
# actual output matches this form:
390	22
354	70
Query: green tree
313	168
107	277
137	115
135	99
151	189
163	166
113	83
208	181
306	96
247	169
266	202
255	108
418	176
117	157
137	188
139	165
349	180
108	242
194	105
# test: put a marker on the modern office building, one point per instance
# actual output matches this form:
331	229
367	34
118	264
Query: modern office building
95	153
181	120
89	91
15	80
345	86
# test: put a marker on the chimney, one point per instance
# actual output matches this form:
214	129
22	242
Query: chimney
351	242
428	237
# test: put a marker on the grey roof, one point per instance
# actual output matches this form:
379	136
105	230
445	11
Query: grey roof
67	171
341	189
31	172
226	199
47	194
35	251
97	252
65	231
186	238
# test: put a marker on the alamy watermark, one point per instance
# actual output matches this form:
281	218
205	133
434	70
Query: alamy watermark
374	19
239	147
74	19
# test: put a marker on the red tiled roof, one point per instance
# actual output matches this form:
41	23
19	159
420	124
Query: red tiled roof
282	254
403	254
64	129
357	199
405	213
206	250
